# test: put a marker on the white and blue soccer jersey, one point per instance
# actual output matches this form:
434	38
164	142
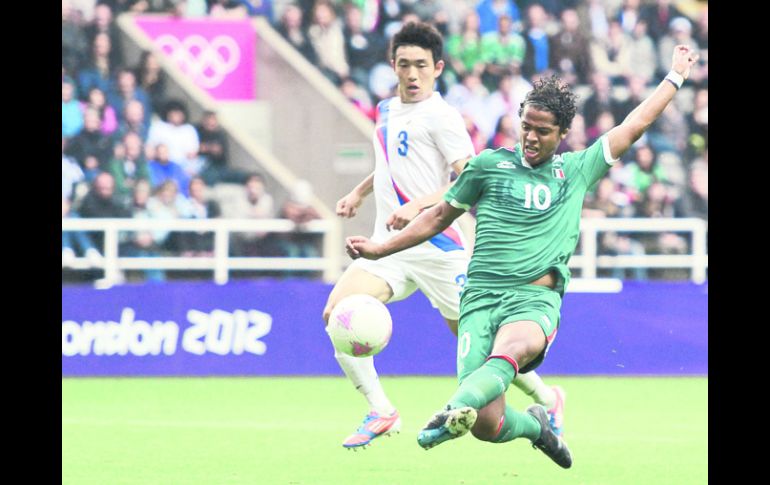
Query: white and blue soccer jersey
415	145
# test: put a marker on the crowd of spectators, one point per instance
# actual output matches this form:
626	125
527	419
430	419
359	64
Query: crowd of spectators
117	121
131	151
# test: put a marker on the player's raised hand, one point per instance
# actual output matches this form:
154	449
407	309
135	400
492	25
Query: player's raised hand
683	59
348	206
361	247
402	216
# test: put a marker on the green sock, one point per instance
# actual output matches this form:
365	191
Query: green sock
484	384
515	425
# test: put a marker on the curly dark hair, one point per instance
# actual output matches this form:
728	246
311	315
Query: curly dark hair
419	34
553	95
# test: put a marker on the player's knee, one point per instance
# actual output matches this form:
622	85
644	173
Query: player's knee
487	424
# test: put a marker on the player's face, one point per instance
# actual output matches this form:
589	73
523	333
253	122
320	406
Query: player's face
540	135
416	73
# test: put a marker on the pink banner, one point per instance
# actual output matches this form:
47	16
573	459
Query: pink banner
216	54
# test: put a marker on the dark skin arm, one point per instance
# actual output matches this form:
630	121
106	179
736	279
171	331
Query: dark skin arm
429	223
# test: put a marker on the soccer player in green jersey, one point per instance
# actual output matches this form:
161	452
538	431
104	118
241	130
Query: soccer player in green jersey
528	216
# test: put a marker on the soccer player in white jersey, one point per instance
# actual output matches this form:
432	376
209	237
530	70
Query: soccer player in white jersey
418	139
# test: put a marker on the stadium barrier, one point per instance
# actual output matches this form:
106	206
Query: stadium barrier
332	263
274	328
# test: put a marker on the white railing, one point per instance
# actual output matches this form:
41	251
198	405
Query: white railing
331	263
221	262
588	261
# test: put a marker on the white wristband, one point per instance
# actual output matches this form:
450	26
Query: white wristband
675	78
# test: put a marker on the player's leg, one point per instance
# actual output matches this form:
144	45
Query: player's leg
550	397
382	418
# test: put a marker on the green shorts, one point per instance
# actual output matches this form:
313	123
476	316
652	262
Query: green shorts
483	312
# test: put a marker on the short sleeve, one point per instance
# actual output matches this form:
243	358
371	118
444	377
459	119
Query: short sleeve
452	137
468	187
593	162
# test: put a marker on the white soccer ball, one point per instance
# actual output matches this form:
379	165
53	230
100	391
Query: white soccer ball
360	325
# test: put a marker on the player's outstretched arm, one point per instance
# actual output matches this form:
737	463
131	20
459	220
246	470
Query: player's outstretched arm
407	212
348	205
425	226
639	120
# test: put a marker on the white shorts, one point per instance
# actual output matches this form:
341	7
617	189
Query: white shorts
440	276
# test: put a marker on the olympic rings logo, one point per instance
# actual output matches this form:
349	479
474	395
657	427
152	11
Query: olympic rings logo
208	63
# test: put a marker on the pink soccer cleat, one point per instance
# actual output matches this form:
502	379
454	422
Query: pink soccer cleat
556	413
373	427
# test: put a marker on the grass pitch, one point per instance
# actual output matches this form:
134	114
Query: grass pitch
288	431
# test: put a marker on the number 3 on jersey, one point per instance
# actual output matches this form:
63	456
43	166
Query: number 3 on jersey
403	138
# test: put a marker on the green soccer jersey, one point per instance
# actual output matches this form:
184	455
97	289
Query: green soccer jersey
527	219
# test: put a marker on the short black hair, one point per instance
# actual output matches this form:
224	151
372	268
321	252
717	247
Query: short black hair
553	95
419	34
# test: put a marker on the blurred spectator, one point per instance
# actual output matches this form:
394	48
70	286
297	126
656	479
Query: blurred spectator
133	121
463	50
258	204
214	152
390	14
152	79
74	43
168	203
600	99
71	114
478	137
240	8
642	52
162	169
102	23
97	100
570	48
128	167
362	49
490	11
97	73
505	100
679	32
576	138
596	14
637	92
643	171
694	202
358	97
328	42
90	147
71	173
500	49
470	98
299	210
605	121
180	137
124	89
143	243
657	201
292	29
76	242
658	17
506	133
669	132
538	53
199	243
100	202
612	56
629	15
382	80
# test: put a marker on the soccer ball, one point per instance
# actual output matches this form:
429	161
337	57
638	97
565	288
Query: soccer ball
360	325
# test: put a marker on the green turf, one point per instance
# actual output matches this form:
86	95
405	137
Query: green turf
288	431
